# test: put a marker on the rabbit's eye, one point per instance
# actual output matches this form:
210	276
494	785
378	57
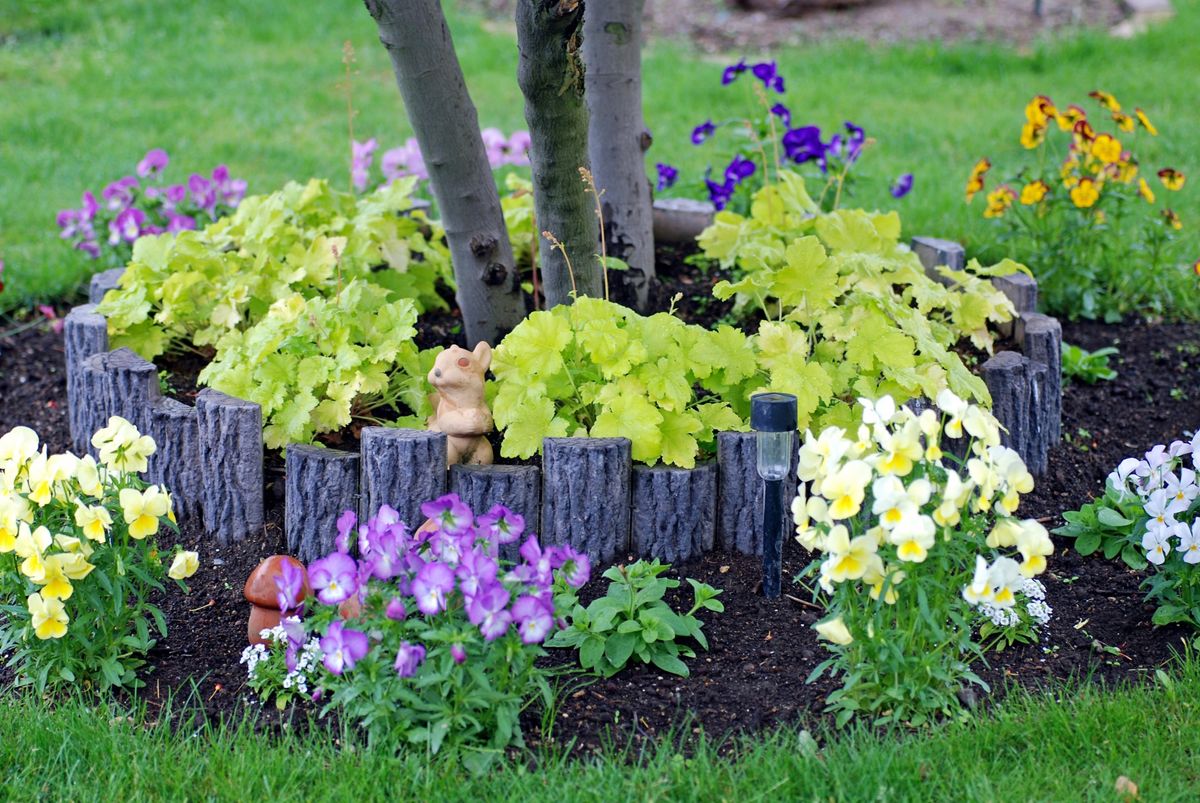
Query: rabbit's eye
464	362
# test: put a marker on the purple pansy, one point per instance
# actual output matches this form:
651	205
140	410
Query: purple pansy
409	659
177	223
783	113
667	176
731	73
90	207
458	653
534	619
476	571
739	169
296	635
430	587
575	567
204	193
487	611
501	525
362	154
854	143
902	186
334	577
153	163
703	132
119	194
345	524
396	610
449	513
518	148
343	647
126	226
803	144
230	191
290	585
719	194
767	73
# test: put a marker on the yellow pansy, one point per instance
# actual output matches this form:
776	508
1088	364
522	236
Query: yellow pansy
184	566
914	540
18	445
980	590
94	521
13	511
87	474
1171	178
1072	115
48	616
1035	546
978	173
847	559
31	545
53	581
876	581
1124	121
40	479
122	447
1032	135
998	201
834	630
1145	121
846	488
1085	193
1034	192
1106	100
1106	148
1173	220
1145	191
69	543
142	510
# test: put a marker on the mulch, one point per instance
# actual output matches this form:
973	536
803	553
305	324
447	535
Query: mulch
753	677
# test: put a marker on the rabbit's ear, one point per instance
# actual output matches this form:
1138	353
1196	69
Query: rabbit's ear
483	353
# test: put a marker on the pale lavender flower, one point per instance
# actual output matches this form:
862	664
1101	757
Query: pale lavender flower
362	154
449	513
153	163
119	194
290	586
534	619
409	659
487	611
396	610
343	647
501	525
334	578
230	191
430	587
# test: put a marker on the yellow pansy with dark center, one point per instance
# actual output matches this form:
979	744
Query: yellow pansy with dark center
1124	121
1173	220
1171	178
1034	192
1105	99
1145	121
1085	193
1107	149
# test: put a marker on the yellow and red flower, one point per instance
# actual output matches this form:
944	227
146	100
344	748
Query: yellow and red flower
975	182
1145	121
999	200
1067	119
1106	148
1105	99
1084	131
1124	121
1172	219
1032	135
1040	111
1085	193
1034	192
1171	178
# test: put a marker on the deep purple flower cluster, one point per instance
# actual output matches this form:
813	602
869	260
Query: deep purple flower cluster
736	172
667	176
407	159
804	144
765	71
131	208
452	565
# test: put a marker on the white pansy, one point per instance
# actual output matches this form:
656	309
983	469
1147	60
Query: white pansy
1157	544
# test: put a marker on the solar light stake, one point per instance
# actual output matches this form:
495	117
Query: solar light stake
773	417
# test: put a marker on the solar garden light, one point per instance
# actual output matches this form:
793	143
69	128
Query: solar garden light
773	417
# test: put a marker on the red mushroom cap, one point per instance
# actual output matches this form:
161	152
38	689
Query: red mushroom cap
260	585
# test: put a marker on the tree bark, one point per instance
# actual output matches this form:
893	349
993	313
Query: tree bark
618	139
550	72
416	36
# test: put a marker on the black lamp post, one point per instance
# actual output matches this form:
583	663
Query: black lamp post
773	417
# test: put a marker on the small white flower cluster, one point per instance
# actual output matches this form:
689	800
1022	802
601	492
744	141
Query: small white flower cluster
1036	607
252	656
1167	489
307	658
1000	617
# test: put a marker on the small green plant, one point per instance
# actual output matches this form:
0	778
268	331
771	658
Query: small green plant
164	383
1079	364
633	621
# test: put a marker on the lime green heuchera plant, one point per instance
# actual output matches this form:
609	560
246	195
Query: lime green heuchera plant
920	563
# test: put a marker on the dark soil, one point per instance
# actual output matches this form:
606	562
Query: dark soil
754	675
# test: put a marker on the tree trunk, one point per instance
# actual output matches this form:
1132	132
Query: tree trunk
415	34
618	139
550	72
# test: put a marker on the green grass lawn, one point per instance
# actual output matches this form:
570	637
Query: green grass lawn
89	87
1070	744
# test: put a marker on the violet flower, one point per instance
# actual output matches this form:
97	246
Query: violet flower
575	567
90	207
495	145
739	169
153	163
667	176
409	659
475	572
487	611
518	148
449	513
68	220
126	226
396	610
501	525
732	72
430	587
177	223
56	323
803	144
343	647
119	194
783	113
903	186
204	193
854	143
345	523
703	132
769	75
458	653
334	577
719	194
293	629
290	586
534	620
362	154
230	191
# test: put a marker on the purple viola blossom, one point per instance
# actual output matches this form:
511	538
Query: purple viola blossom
343	647
293	629
177	223
396	610
803	144
153	163
90	247
783	113
204	193
394	163
345	524
290	585
174	195
495	145
89	206
476	571
534	619
409	659
119	194
458	653
230	192
501	525
739	169
903	186
334	577
126	226
719	194
450	514
767	73
703	132
361	156
518	148
69	221
540	562
430	587
487	610
667	176
575	567
732	72
854	143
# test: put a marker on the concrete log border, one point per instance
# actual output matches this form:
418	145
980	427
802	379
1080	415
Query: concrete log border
587	493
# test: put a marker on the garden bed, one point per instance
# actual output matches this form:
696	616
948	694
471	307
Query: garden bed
761	651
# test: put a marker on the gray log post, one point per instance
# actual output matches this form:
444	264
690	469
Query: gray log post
130	388
231	465
322	484
617	136
674	512
175	466
518	488
586	495
741	491
84	334
403	468
446	125
934	252
103	282
1022	290
89	412
1018	388
1040	337
1037	445
550	73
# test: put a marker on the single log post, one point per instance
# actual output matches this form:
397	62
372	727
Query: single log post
322	484
84	334
231	465
585	495
403	468
175	428
741	492
518	488
674	511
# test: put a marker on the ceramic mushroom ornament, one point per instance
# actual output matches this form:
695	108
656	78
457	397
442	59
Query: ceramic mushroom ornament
262	593
460	410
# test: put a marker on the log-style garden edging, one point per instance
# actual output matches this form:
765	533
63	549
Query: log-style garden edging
587	492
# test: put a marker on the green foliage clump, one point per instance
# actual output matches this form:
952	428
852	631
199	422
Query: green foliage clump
860	314
305	299
1087	366
632	620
